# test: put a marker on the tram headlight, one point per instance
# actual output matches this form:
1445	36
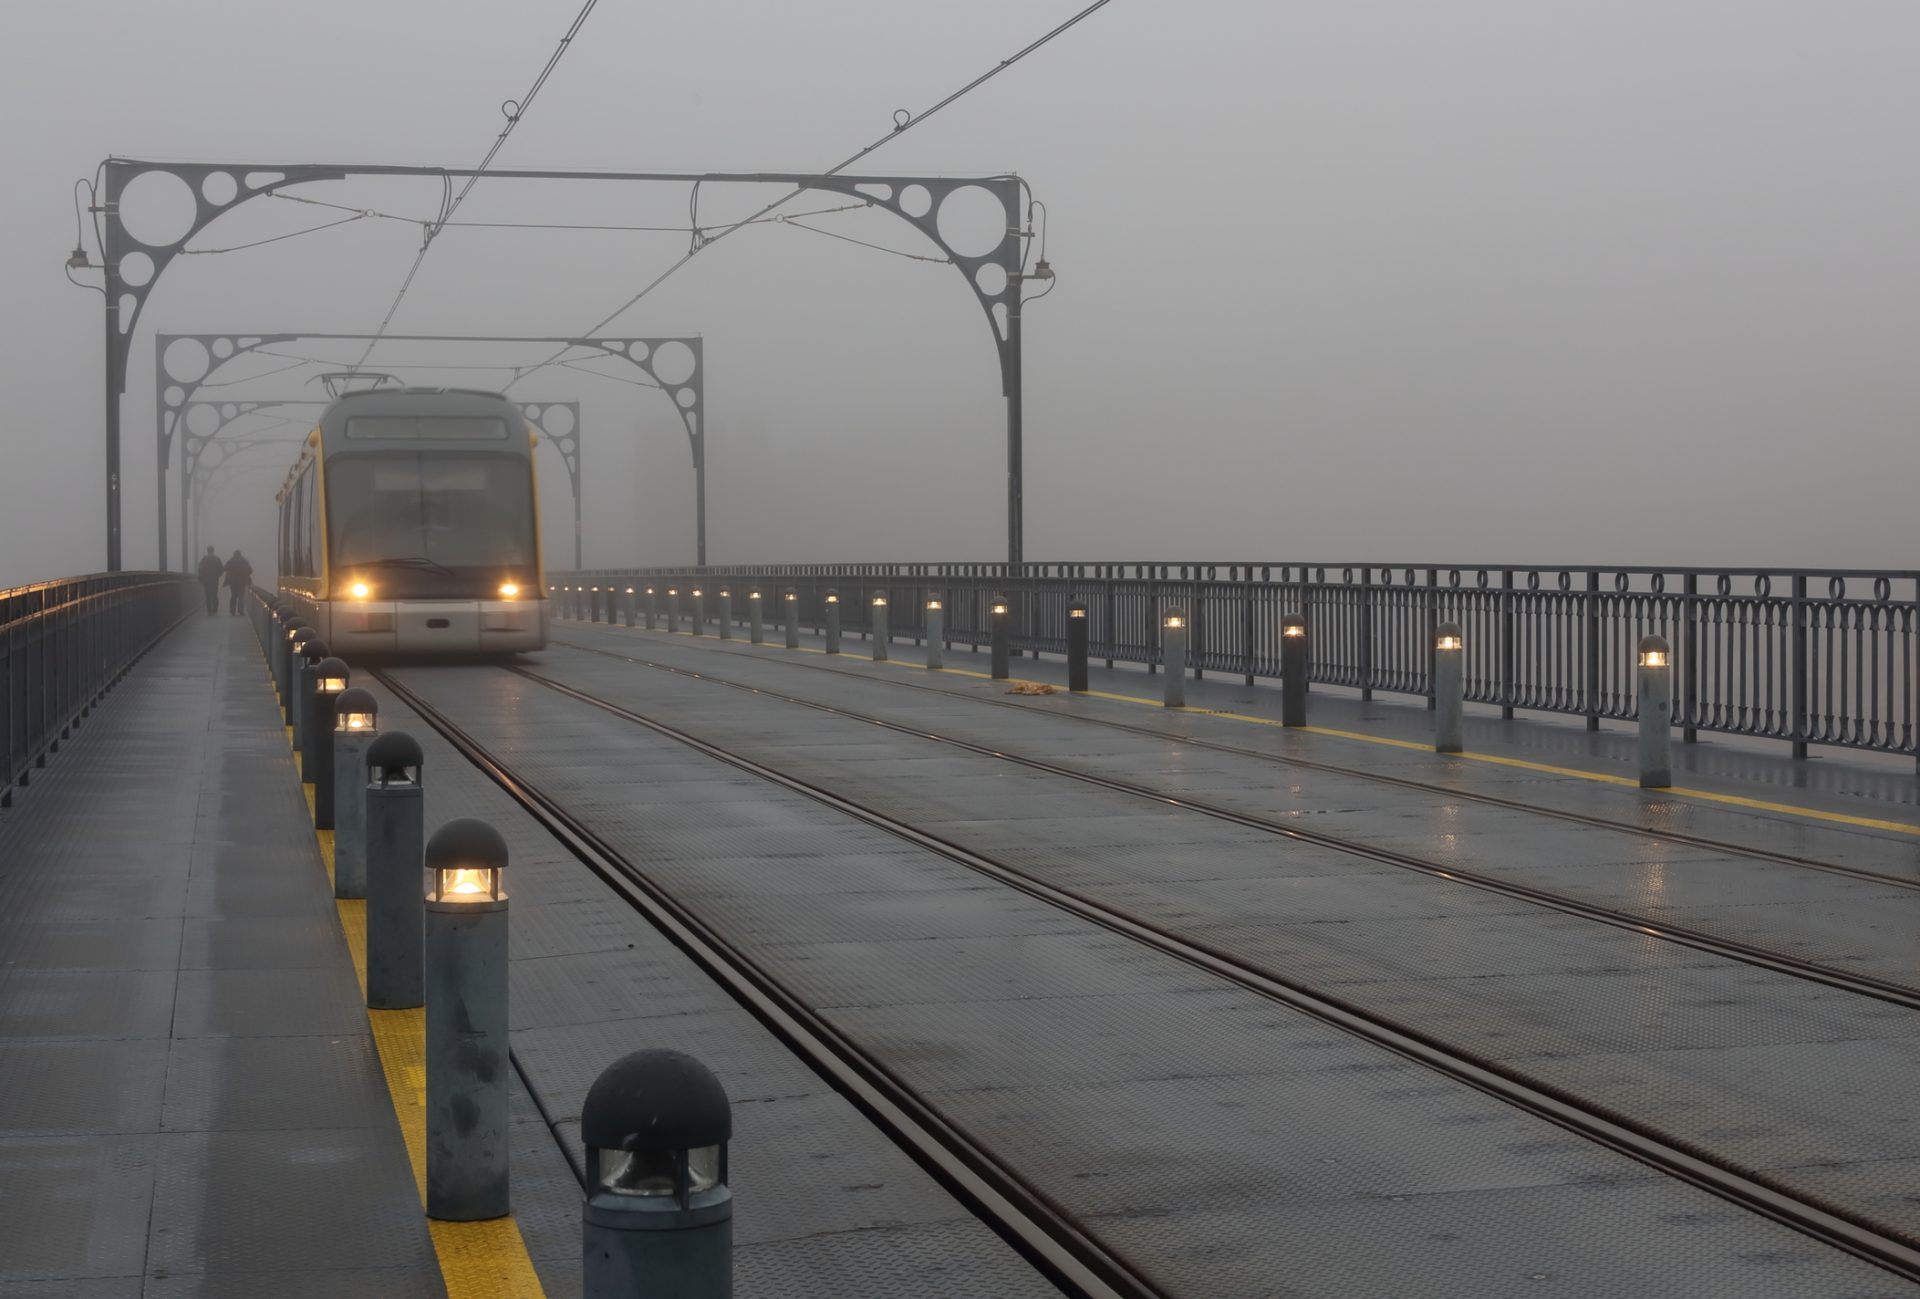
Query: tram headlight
508	590
360	590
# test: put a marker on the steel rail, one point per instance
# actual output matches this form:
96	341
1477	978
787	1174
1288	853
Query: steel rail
1837	1228
1336	769
1749	954
1020	1213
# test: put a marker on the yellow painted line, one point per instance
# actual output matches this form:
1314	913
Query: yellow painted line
1492	759
478	1260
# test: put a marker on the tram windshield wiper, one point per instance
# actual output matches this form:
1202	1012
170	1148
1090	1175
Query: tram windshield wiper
412	561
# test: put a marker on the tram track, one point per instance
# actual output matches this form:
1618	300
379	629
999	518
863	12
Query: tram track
1040	1229
1452	793
1886	990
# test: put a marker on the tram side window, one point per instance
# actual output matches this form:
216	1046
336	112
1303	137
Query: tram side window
307	566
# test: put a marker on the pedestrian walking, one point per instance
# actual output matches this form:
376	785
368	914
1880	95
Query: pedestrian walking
239	581
211	570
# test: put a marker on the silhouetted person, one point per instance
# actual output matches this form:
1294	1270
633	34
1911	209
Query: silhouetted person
239	581
211	570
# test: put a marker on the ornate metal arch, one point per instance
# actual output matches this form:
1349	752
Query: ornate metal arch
133	267
174	395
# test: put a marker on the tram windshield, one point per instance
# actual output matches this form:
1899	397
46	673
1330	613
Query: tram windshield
430	523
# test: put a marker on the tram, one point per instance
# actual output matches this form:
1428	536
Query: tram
410	525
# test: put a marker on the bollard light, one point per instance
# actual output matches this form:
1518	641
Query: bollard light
726	614
1449	689
792	602
1654	689
673	609
1173	649
466	998
311	649
833	622
330	680
393	872
756	618
652	608
698	625
627	610
1076	646
878	624
997	632
658	1217
936	633
1293	670
355	723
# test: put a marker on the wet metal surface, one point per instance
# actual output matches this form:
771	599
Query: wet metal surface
1198	1126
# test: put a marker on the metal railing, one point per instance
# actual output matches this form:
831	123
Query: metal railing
62	643
1803	656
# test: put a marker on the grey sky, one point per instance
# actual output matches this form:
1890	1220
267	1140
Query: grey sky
1488	280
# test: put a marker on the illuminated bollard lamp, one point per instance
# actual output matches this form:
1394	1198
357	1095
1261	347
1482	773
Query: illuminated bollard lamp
653	608
726	613
466	995
626	609
658	1218
1655	692
1293	670
1449	689
673	609
311	649
1076	646
395	827
699	624
287	667
879	626
792	600
355	727
279	655
997	632
833	622
330	680
936	633
756	619
1173	651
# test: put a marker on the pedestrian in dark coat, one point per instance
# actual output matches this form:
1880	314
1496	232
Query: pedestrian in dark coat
210	571
239	581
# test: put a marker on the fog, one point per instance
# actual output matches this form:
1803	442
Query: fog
1488	281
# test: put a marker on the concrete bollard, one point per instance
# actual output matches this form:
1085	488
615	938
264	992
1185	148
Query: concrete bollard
726	613
653	608
997	633
330	680
756	626
833	622
1654	689
792	601
878	608
936	633
298	634
355	727
1173	652
312	650
466	994
284	657
698	625
627	609
1449	689
1077	646
1293	670
658	1217
394	851
673	609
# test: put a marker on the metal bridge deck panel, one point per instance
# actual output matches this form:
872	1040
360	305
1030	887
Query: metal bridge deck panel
826	1205
189	1100
1223	1093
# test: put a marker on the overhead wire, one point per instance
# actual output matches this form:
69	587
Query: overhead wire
514	110
273	239
903	122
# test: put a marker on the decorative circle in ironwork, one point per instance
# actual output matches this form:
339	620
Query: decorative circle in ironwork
1837	588
915	201
219	188
638	351
1659	583
1763	586
1346	575
223	348
1723	585
673	363
1882	589
990	278
1481	579
1410	577
1566	580
567	443
157	208
971	220
1533	580
1453	577
1620	582
185	360
686	397
531	411
229	411
174	395
136	268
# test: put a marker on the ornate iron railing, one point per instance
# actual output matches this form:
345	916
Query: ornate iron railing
62	644
1802	656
